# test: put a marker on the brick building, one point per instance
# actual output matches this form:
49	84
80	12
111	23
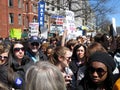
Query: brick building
16	14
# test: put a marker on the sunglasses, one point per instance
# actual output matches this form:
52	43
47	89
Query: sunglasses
18	49
67	58
3	57
99	71
35	44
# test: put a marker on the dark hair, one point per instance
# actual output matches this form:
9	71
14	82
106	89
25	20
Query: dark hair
11	55
71	42
95	46
97	37
105	41
16	72
74	56
118	43
53	39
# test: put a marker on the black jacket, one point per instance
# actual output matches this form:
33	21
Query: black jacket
19	71
75	67
4	74
86	84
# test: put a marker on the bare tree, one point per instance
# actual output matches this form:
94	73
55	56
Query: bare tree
88	9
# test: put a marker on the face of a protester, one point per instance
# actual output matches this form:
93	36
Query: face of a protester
98	72
3	58
80	52
54	42
43	49
66	59
49	52
18	51
34	47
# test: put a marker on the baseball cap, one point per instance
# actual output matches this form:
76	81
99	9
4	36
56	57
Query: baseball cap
34	39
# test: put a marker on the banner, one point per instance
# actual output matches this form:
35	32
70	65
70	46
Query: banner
41	11
57	20
15	33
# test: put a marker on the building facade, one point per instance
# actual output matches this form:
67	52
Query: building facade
17	14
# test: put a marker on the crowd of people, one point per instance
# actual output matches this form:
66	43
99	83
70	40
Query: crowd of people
84	63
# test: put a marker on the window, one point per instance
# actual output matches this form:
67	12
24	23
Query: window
26	7
23	6
20	19
26	21
10	3
52	2
47	3
34	19
53	8
58	2
58	8
34	8
11	18
47	26
83	22
48	9
19	3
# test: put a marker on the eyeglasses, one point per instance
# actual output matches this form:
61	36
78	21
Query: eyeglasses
18	49
100	71
3	57
35	44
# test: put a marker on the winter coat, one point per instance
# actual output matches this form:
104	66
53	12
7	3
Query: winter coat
42	56
19	71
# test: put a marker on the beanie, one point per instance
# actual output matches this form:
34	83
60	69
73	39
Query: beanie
104	58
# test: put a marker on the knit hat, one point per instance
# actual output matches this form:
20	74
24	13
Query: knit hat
104	58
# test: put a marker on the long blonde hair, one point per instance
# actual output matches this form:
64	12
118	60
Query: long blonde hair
58	51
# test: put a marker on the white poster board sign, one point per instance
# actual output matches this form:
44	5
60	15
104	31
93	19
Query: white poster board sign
44	32
74	35
69	23
114	27
33	29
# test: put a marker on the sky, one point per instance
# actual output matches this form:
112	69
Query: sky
117	19
116	7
